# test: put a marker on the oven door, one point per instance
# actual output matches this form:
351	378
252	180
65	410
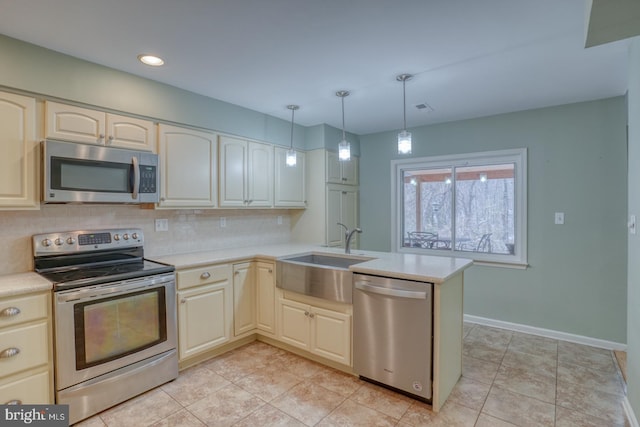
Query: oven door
101	328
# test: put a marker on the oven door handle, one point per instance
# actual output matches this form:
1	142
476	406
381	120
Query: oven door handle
85	294
136	178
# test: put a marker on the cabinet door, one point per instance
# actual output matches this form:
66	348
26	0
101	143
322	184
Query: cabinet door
294	323
290	182
204	318
260	175
18	162
349	212
335	232
331	335
233	172
71	123
334	169
131	133
350	172
32	389
244	298
265	292
188	161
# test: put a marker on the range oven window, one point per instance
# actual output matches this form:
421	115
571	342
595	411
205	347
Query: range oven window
87	175
114	327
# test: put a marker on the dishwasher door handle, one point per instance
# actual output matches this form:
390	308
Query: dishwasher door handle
401	293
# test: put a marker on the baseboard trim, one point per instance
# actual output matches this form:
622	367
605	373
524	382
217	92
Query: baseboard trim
549	333
631	416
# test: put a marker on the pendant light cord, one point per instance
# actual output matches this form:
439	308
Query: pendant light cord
343	136
404	103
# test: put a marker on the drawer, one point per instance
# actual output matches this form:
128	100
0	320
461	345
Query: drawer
203	275
33	389
32	343
23	309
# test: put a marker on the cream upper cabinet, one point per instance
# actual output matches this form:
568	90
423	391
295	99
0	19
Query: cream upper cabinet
188	160
342	207
18	162
338	172
290	181
246	173
72	123
244	298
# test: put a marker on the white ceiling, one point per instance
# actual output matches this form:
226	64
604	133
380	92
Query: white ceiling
470	58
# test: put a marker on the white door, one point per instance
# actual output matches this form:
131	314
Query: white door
233	172
244	298
290	184
188	161
294	323
130	133
260	175
265	292
18	161
331	335
71	123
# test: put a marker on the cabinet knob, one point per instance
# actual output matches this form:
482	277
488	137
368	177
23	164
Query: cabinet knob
10	312
111	138
14	402
205	275
344	179
236	272
311	315
270	270
100	138
9	352
306	313
182	301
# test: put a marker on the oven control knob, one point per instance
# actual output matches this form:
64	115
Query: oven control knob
71	240
46	243
134	236
116	237
125	236
59	241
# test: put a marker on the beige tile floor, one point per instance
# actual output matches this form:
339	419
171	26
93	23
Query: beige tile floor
509	379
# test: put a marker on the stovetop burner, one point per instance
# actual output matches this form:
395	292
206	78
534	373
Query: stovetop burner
83	258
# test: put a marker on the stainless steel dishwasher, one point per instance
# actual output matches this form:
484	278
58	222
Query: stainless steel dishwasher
393	333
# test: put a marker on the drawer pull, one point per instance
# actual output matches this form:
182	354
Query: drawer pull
10	352
205	275
10	312
14	402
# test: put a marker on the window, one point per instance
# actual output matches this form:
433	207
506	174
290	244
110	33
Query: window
471	205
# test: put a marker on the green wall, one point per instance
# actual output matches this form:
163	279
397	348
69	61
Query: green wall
633	297
577	279
41	71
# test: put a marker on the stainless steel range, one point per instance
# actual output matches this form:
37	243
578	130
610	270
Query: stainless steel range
115	317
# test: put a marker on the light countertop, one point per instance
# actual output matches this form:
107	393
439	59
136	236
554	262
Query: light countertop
23	283
423	268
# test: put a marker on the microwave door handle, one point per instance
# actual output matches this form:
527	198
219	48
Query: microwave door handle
136	178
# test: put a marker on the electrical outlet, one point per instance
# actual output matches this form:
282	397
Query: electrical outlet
559	218
279	220
223	222
162	225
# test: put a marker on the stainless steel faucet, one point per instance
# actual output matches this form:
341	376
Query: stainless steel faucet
348	234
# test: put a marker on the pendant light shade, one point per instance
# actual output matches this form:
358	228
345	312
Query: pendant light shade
344	148
292	157
404	137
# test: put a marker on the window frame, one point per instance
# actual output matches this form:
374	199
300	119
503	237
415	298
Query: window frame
516	156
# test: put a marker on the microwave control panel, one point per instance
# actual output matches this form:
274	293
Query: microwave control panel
148	179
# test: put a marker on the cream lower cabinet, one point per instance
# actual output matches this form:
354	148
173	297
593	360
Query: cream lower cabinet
321	331
244	298
26	353
205	309
188	160
19	148
254	297
266	297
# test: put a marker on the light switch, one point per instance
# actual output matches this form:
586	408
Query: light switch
559	219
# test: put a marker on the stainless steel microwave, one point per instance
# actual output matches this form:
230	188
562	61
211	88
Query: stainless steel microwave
82	173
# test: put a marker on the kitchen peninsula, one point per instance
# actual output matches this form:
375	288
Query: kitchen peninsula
235	290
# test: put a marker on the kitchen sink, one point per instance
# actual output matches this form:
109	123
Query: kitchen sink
319	275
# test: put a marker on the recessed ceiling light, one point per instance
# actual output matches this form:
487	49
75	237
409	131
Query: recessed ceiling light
154	61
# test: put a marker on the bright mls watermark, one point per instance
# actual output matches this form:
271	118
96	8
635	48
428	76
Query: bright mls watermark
34	415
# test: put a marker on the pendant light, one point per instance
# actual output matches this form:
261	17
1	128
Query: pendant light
344	148
404	137
291	158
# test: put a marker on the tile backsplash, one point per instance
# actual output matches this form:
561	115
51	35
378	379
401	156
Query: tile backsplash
189	230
